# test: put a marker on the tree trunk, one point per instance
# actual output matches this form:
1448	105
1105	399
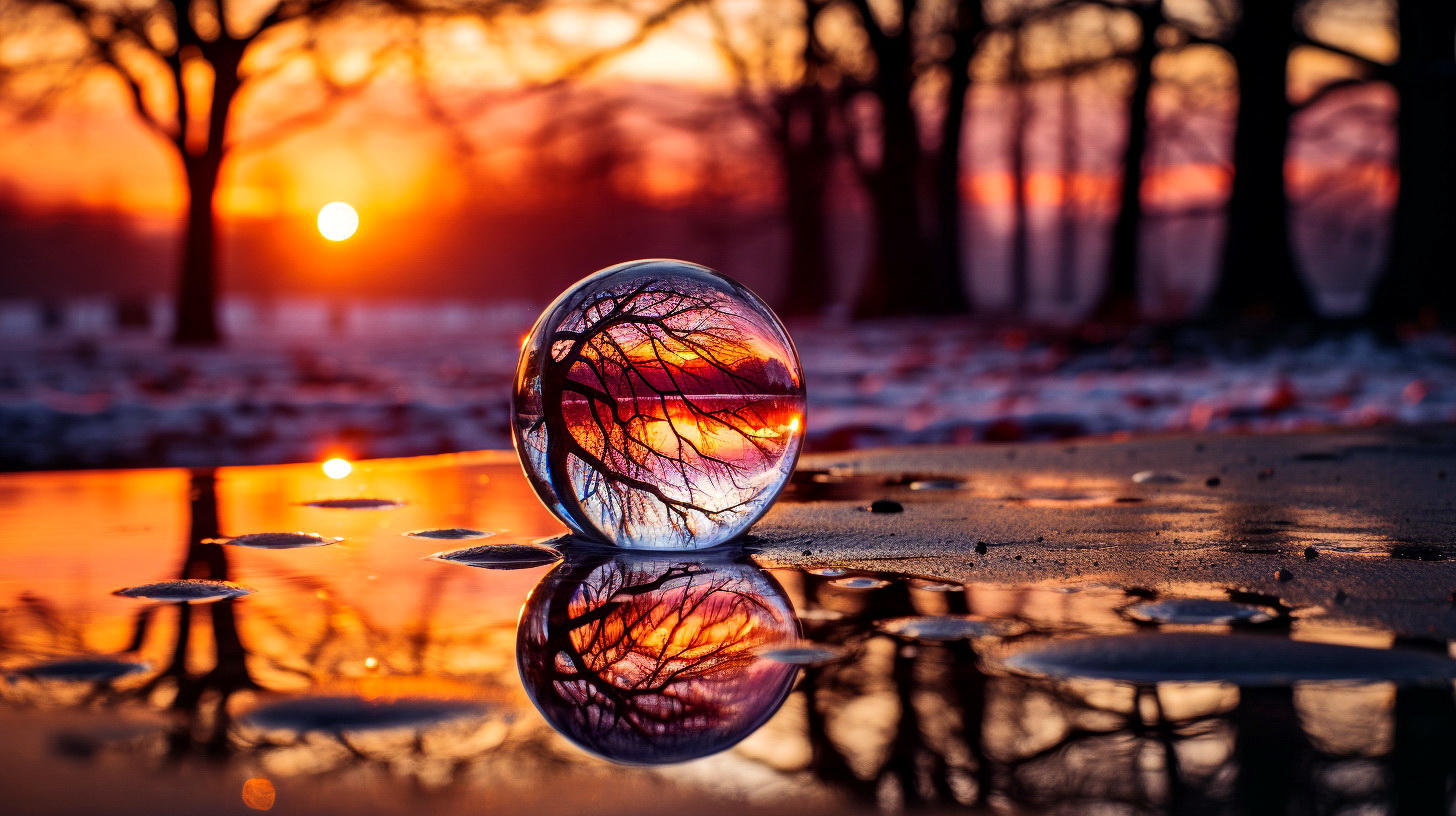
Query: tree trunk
806	169
1019	267
1119	303
1258	279
196	307
1069	215
946	246
898	281
804	144
1419	281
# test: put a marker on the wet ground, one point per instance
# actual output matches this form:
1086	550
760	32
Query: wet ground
1186	625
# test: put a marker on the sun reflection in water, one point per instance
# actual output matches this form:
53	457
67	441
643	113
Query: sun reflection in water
338	468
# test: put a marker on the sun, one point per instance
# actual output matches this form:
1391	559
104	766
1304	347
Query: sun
338	221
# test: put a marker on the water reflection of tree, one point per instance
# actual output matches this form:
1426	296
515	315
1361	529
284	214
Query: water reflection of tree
963	736
654	660
654	407
211	689
212	665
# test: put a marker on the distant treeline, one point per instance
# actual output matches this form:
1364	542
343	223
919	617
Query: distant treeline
1249	142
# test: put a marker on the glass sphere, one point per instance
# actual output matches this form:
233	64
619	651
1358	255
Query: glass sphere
649	659
658	405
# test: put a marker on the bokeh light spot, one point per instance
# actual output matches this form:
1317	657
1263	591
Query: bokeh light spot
258	794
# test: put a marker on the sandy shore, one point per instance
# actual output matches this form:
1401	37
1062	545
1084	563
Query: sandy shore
1359	527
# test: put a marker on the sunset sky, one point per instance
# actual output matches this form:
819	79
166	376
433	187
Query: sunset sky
373	152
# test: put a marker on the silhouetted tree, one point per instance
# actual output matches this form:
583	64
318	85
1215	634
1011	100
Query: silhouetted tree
1070	212
966	32
793	114
157	50
1119	302
1258	276
1420	275
887	149
1019	268
160	49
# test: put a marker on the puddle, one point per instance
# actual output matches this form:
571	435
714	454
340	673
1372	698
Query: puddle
1244	660
935	586
1196	611
281	541
859	582
450	534
342	714
1417	552
803	654
80	669
502	556
1159	477
355	504
194	590
525	681
948	627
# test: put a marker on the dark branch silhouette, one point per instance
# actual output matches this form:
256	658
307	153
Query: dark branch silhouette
661	411
649	660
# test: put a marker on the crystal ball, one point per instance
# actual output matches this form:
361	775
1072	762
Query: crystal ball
658	405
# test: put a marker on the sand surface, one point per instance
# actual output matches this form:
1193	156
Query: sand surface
1217	515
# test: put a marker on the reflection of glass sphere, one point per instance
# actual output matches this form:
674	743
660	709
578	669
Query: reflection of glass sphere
658	405
651	659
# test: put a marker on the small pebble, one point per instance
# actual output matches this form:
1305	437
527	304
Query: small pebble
886	506
981	548
1340	596
1213	481
1310	553
1283	575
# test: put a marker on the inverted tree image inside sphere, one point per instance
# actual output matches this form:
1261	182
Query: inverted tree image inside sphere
658	405
648	659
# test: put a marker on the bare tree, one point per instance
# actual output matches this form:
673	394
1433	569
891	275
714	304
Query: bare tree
1120	294
1017	148
966	29
895	50
185	65
1418	280
159	50
792	114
